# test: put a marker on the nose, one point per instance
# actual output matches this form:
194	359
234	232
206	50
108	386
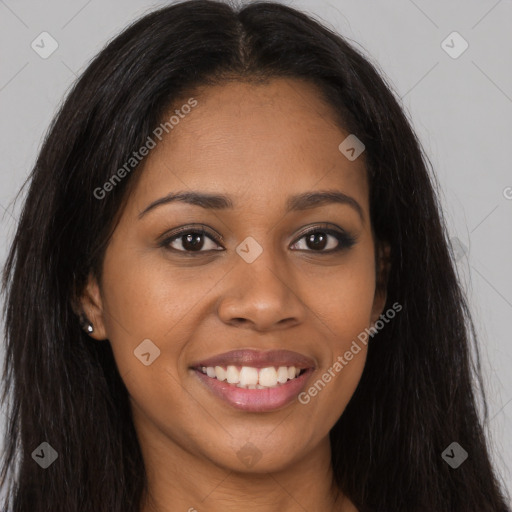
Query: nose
262	295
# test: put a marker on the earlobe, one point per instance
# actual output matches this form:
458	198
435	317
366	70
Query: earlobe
91	313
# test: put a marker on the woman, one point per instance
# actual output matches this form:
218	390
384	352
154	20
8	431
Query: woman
231	288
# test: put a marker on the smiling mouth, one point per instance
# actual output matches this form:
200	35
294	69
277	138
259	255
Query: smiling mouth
248	377
254	380
258	389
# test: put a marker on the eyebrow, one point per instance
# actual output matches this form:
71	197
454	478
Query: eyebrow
300	202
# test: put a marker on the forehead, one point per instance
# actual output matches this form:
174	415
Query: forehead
253	141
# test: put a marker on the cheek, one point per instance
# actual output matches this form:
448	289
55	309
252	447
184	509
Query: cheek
144	301
147	296
344	307
343	299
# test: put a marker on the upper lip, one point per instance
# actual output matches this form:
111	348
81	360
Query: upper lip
258	359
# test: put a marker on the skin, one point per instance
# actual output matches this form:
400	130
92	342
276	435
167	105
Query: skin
257	143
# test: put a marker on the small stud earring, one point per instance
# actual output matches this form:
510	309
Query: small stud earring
85	324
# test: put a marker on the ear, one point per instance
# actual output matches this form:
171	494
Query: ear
382	268
90	305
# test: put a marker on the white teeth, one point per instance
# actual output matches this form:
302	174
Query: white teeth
268	377
220	373
252	378
282	374
248	376
233	375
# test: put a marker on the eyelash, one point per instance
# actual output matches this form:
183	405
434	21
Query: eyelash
345	241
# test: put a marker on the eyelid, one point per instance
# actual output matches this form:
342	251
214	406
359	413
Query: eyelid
194	228
325	227
345	239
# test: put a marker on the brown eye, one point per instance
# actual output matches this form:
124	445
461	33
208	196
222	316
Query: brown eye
191	240
326	240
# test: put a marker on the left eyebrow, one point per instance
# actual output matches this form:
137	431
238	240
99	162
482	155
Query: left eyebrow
304	201
310	200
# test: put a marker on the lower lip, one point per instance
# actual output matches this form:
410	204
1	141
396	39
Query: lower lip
256	400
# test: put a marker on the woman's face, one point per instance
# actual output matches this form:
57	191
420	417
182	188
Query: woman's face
255	293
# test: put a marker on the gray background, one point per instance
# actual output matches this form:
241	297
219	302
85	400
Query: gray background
460	107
